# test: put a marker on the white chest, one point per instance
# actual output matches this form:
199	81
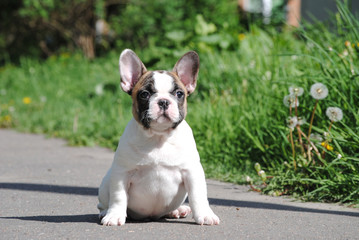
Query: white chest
136	149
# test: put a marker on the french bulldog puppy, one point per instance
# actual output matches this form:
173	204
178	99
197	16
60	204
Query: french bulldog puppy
156	164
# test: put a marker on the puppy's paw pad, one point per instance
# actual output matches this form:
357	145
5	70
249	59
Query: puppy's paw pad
112	219
211	219
180	212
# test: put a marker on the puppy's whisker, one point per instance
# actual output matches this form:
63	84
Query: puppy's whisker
145	117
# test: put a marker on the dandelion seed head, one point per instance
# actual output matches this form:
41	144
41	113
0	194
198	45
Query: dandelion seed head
319	91
335	114
99	89
310	45
268	74
301	120
292	122
290	101
296	91
11	109
43	99
263	175
248	179
316	137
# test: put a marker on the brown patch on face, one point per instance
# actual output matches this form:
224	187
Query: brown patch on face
144	80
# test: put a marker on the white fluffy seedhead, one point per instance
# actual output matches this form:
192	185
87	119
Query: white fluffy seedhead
319	91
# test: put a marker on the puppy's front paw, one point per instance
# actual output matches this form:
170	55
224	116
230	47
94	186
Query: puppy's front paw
113	219
207	219
180	212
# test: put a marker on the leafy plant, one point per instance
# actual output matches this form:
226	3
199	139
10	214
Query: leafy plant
324	165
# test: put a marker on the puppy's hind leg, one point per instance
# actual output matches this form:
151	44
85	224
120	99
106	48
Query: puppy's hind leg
180	212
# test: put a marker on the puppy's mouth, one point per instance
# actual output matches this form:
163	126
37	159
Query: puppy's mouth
163	117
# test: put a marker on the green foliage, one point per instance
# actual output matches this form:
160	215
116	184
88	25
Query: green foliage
64	100
36	8
176	24
236	113
331	173
52	26
41	28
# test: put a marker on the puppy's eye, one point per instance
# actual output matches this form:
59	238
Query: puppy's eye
145	95
179	94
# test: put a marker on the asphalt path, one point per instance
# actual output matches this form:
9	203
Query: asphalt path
48	190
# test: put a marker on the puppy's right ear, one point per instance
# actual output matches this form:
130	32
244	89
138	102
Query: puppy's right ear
131	69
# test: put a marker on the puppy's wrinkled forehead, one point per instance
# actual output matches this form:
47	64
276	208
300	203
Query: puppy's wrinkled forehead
163	82
159	82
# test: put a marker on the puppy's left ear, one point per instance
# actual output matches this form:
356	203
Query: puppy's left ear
187	70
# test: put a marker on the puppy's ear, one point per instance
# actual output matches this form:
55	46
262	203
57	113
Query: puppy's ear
187	70
131	69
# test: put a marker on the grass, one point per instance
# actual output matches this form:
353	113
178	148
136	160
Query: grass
236	113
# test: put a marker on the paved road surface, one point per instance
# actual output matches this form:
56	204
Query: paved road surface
48	190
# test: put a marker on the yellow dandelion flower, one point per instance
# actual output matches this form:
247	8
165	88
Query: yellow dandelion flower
241	36
327	146
26	100
7	118
347	43
65	55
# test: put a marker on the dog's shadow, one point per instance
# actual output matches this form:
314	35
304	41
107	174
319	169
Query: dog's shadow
85	218
89	218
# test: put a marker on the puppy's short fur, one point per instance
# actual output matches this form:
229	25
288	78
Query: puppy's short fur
156	164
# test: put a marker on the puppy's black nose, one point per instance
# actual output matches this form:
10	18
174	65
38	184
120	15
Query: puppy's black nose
163	104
